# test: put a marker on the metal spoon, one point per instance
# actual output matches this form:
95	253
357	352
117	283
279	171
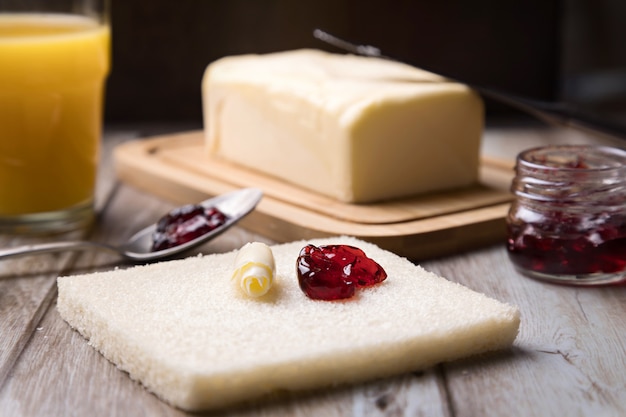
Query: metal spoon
235	205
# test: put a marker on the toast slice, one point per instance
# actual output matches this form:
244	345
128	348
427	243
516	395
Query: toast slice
184	331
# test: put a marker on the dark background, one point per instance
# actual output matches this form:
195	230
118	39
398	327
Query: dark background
568	50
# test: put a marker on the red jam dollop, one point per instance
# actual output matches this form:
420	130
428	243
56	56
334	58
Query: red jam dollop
334	272
184	224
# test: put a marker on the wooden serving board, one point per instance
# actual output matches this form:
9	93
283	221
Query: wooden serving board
177	168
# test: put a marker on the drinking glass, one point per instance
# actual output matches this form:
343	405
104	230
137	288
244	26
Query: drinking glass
54	61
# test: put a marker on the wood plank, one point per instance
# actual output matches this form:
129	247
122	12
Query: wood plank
568	358
26	291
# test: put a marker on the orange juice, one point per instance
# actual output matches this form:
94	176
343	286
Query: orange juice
52	72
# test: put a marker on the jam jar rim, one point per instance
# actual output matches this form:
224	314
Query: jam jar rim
602	183
618	155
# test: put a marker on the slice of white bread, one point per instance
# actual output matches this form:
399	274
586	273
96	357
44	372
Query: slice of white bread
184	331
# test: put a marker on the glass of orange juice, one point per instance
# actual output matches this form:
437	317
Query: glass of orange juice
54	60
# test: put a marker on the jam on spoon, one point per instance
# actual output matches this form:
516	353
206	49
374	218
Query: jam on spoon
184	224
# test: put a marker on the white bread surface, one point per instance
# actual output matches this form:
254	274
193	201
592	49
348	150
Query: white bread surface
184	332
357	129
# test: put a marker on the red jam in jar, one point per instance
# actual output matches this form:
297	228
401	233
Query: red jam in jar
567	223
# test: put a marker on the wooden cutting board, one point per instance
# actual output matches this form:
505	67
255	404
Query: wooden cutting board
176	167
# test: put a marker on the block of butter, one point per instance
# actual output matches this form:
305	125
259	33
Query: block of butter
357	129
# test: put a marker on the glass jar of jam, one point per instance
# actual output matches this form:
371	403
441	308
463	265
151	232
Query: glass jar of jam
567	223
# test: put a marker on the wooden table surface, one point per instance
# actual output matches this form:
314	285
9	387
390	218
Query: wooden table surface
568	360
